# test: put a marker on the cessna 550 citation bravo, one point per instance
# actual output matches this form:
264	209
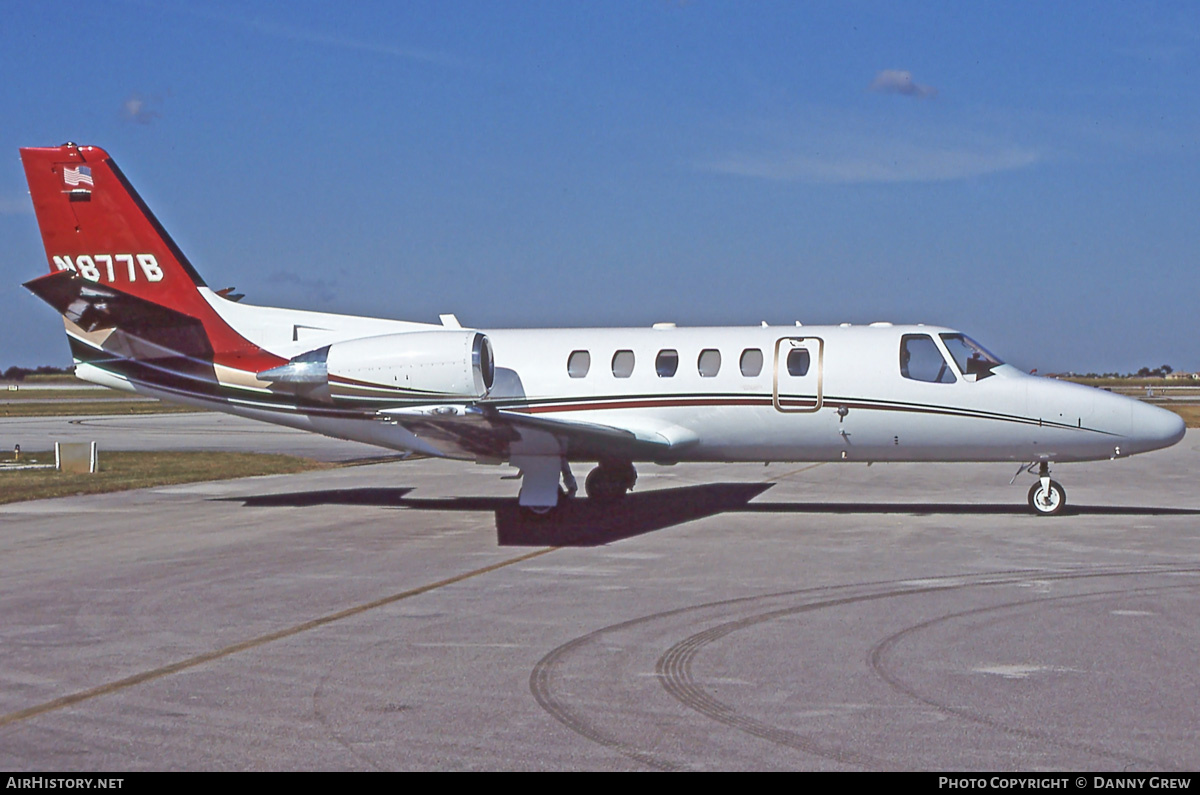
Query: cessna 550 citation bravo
139	318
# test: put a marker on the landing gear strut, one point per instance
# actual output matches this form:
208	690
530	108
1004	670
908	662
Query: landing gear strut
540	476
610	480
1047	497
570	487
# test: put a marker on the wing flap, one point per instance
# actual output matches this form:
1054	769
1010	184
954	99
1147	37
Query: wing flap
487	432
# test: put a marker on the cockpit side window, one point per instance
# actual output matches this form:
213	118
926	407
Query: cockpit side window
971	357
921	360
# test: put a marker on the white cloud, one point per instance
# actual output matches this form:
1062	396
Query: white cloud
897	81
350	43
872	162
313	289
143	108
322	38
832	146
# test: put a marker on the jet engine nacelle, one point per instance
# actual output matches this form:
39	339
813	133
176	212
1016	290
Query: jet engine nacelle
435	364
455	363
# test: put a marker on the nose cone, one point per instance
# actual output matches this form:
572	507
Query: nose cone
1154	428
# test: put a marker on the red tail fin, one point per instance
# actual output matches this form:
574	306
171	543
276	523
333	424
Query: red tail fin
94	223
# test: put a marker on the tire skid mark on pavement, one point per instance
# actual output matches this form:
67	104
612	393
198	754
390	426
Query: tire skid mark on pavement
673	667
200	659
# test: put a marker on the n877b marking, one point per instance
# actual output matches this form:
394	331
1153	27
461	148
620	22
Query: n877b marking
95	266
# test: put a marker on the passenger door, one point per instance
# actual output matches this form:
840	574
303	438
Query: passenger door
798	381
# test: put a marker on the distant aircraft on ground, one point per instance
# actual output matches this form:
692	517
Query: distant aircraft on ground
139	318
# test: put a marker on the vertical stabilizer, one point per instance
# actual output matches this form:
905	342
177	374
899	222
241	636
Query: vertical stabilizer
97	230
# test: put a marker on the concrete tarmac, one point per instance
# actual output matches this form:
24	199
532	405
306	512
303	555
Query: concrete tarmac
404	616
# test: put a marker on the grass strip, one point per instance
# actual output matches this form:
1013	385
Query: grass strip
91	408
121	470
1190	414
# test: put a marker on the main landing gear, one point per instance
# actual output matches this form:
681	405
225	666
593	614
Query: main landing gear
1047	497
540	492
610	481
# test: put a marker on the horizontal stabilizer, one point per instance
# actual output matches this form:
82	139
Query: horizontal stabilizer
94	307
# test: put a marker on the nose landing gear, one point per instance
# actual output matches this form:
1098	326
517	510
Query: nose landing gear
1047	497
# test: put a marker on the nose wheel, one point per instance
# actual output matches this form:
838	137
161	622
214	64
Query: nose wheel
1047	497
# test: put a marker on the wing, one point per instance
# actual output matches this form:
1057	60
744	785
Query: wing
483	431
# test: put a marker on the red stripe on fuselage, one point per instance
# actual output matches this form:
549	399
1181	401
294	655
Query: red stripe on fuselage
649	403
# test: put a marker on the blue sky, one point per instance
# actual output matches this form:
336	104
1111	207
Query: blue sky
1026	172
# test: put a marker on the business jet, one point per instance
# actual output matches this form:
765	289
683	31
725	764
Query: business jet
139	318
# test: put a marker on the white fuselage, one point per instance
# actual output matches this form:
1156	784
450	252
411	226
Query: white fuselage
851	402
867	411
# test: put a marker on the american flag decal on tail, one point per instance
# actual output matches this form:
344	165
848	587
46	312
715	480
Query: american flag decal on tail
77	176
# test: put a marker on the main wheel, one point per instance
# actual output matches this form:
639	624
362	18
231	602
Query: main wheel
607	482
1047	502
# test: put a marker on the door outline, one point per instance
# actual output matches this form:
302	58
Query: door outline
795	342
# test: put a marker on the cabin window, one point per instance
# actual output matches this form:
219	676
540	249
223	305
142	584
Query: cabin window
622	364
751	362
666	363
578	364
709	363
921	360
798	361
972	358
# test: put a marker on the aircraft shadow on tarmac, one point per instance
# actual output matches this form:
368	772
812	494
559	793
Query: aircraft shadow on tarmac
577	522
958	509
584	522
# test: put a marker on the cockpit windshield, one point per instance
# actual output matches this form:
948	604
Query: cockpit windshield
971	357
